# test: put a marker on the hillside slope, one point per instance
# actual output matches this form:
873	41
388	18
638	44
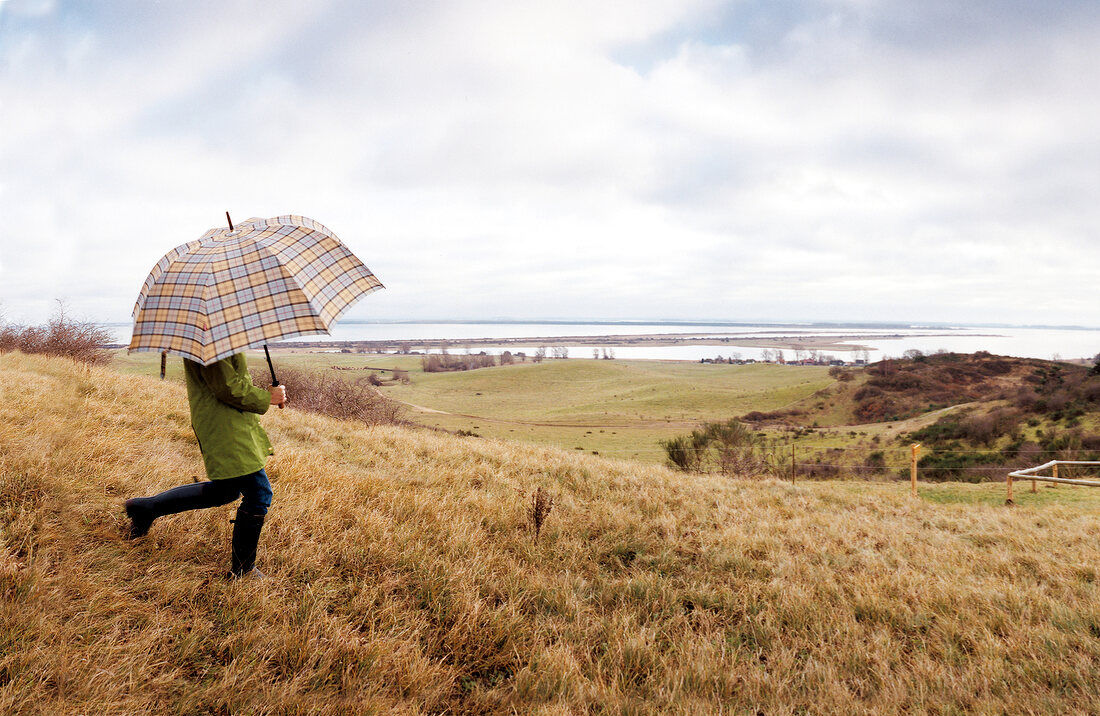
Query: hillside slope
897	389
405	578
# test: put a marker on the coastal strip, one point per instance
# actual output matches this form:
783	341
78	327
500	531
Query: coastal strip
819	342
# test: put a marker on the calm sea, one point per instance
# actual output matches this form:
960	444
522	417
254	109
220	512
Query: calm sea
1048	343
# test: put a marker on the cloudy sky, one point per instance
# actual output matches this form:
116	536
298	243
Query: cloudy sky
742	160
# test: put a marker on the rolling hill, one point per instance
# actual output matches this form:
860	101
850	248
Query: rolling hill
405	577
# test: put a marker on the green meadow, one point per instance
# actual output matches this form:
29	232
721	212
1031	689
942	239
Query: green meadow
624	409
611	407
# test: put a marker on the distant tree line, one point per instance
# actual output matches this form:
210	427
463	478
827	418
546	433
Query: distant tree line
557	352
445	361
442	363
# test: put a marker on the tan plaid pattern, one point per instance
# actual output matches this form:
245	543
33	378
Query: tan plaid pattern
266	280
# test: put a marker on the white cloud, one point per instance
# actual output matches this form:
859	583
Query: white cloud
503	159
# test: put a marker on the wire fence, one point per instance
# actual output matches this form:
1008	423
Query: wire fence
823	461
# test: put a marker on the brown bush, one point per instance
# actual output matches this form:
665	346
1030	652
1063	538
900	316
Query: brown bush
819	471
877	409
334	396
758	417
81	341
868	391
904	388
995	367
901	382
1091	391
985	429
444	362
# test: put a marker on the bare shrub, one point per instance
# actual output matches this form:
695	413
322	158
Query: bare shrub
337	397
444	362
1026	398
838	373
481	360
1058	401
736	448
81	341
729	447
685	452
980	429
776	415
875	462
819	471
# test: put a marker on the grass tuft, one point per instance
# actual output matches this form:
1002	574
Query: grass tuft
541	504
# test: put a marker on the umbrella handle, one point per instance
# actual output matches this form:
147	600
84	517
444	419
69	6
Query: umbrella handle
274	380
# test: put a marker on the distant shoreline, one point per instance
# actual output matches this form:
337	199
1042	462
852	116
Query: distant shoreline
834	343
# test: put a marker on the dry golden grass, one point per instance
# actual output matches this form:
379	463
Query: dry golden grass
405	578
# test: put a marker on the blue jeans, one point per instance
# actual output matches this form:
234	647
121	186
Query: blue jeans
255	488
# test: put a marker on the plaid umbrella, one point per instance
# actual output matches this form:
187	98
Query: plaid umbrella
237	288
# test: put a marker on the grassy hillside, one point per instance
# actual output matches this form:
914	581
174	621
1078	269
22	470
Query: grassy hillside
977	416
587	391
405	577
617	408
898	389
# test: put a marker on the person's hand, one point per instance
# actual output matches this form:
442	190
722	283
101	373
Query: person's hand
278	395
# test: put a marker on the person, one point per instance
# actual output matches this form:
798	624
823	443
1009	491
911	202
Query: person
225	415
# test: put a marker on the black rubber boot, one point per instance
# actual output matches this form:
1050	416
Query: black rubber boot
143	510
246	535
141	516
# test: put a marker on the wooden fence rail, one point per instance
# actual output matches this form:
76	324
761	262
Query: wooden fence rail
1031	473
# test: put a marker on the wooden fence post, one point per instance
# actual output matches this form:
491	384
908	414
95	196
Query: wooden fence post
163	363
1009	500
1054	473
914	450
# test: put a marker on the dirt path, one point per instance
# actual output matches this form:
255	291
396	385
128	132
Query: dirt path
422	409
529	423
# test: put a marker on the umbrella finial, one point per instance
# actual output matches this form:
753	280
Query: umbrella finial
229	220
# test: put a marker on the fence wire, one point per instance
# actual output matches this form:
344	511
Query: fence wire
777	459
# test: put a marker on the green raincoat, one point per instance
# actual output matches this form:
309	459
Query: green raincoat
225	415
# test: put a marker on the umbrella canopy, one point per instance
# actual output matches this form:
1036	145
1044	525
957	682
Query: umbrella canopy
265	280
